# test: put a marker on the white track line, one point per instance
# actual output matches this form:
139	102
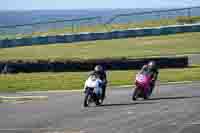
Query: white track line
123	86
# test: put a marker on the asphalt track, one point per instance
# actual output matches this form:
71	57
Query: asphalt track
172	109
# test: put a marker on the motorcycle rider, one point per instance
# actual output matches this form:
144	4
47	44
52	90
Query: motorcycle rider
97	80
152	69
101	73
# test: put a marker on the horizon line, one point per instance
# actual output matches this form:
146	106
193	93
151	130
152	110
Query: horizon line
119	8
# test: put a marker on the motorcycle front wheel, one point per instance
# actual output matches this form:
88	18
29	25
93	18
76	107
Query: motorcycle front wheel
87	99
135	94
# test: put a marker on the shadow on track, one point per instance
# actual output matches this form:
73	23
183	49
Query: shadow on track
126	104
148	101
173	98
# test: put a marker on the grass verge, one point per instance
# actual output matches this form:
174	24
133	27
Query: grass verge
178	44
75	80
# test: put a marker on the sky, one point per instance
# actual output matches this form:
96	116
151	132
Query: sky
87	4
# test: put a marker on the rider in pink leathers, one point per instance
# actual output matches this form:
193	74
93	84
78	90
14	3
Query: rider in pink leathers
151	69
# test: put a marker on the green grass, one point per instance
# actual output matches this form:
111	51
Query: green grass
186	43
75	80
108	27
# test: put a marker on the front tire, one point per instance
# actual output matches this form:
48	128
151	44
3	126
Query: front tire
135	94
86	99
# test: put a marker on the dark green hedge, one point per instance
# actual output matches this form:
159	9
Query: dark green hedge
85	65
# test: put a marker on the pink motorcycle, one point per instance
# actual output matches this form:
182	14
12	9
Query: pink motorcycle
142	83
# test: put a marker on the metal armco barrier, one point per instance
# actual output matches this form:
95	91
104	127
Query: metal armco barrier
139	32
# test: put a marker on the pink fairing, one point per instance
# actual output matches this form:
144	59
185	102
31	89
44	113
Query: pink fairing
143	81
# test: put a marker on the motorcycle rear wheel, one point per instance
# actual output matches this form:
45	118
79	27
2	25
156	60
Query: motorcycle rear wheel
145	97
98	101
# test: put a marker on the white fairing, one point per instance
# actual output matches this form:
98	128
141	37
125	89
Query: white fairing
93	82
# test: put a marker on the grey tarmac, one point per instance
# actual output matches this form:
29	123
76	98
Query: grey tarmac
172	109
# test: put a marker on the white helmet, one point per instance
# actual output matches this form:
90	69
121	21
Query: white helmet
98	68
152	64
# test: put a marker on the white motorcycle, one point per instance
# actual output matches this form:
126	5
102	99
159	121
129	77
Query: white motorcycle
93	91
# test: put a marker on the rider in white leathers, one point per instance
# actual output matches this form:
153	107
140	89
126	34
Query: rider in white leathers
94	82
